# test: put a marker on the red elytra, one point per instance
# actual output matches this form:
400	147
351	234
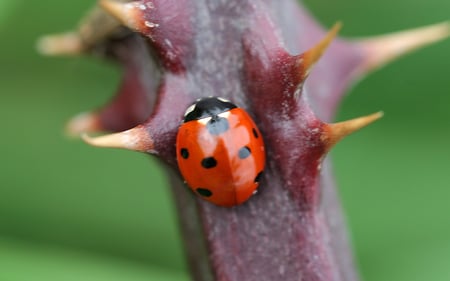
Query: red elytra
220	152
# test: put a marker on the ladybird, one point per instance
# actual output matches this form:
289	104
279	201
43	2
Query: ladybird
220	152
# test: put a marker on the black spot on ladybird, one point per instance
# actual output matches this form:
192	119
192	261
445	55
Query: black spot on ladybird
204	192
244	152
184	153
258	177
209	162
255	133
217	125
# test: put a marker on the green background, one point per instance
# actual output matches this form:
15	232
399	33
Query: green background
72	212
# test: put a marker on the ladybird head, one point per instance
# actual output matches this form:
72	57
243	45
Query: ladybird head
207	107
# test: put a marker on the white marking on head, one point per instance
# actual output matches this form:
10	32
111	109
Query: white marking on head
204	121
189	110
223	100
225	114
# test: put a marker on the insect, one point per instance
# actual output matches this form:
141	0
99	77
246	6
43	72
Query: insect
220	152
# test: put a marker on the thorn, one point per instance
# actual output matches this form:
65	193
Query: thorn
83	123
136	139
310	57
381	50
60	44
333	133
126	13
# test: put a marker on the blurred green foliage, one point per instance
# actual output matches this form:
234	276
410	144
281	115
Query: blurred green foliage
6	9
72	212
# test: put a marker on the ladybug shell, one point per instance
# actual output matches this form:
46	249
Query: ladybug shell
221	156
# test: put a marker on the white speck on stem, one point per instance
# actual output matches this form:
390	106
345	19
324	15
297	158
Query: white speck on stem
151	24
168	43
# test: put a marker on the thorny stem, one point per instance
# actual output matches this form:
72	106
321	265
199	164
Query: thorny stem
258	54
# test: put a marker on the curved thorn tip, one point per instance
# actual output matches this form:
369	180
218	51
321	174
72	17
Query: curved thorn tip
333	133
60	44
381	50
83	123
126	13
312	56
136	139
